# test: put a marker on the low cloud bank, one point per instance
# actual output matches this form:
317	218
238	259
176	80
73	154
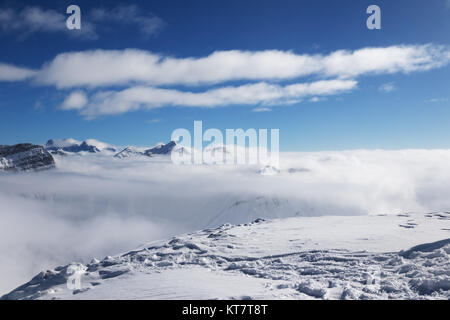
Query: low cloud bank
96	205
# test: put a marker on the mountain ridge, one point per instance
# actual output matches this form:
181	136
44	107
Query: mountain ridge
25	157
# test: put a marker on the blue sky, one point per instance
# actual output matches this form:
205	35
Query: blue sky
400	103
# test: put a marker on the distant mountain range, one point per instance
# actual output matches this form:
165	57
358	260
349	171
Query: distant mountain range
160	149
30	157
72	145
25	156
62	146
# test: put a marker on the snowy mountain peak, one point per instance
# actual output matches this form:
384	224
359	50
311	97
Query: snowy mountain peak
72	145
162	148
129	152
159	149
102	146
54	144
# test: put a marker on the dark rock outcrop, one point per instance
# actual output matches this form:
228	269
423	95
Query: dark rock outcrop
161	149
25	157
58	152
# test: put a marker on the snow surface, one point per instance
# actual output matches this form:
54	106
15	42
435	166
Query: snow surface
295	258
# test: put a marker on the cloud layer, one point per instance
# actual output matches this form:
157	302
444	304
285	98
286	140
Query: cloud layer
118	81
12	73
108	67
95	206
115	102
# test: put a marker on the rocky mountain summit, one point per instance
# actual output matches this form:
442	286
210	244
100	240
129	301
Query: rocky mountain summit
129	152
160	149
72	145
25	157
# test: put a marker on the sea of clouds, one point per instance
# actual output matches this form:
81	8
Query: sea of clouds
97	205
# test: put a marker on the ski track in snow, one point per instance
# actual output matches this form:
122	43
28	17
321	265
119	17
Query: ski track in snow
294	258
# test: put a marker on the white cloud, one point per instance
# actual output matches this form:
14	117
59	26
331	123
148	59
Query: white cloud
405	58
108	67
116	102
143	74
34	19
75	101
12	73
387	87
316	99
262	109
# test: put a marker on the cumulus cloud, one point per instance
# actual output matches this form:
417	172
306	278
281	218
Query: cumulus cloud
109	67
75	101
116	102
12	73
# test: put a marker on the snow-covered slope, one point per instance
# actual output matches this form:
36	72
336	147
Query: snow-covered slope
296	258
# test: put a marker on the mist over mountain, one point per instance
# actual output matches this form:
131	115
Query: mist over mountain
94	205
72	145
